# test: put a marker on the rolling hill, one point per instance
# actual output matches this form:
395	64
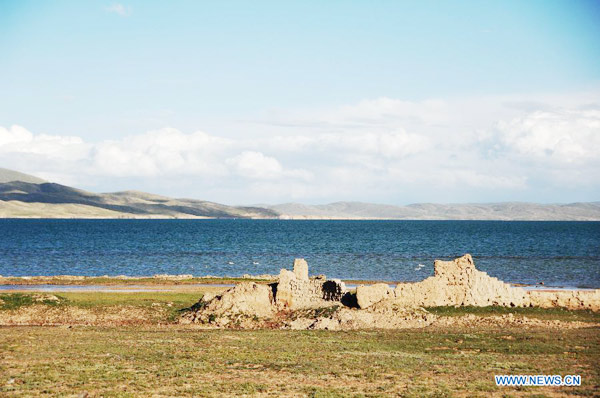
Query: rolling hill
7	175
36	198
26	196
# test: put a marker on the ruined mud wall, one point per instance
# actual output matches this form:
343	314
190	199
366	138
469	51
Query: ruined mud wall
571	299
295	290
459	283
300	301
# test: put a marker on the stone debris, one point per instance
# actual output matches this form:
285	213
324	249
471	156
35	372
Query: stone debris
383	315
297	301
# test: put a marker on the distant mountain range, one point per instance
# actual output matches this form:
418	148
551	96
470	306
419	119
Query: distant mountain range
430	211
26	196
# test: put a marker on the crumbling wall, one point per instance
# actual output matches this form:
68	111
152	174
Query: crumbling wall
250	304
299	301
571	299
455	282
295	290
458	282
367	295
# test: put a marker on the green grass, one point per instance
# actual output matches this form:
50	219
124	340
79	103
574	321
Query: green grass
531	312
161	307
173	302
13	301
91	299
160	358
181	361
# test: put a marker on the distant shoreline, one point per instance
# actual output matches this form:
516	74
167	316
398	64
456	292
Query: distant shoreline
300	219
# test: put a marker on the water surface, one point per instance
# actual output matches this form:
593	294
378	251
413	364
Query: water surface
558	253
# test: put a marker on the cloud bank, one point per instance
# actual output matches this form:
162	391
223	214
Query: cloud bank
383	150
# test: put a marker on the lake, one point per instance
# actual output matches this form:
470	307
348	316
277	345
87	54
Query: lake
565	254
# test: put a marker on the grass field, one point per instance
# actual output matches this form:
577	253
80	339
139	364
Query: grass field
160	358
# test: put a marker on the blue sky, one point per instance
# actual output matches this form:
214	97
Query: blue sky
302	101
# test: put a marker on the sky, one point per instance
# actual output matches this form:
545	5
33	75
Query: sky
314	102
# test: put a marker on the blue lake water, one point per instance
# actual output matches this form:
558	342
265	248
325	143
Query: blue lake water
563	254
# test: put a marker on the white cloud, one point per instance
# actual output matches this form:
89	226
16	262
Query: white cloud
166	151
256	165
14	135
377	150
563	136
18	140
119	9
388	144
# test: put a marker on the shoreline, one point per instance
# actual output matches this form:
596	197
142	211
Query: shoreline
124	283
303	218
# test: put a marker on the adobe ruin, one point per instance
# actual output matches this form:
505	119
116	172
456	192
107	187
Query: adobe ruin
301	302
